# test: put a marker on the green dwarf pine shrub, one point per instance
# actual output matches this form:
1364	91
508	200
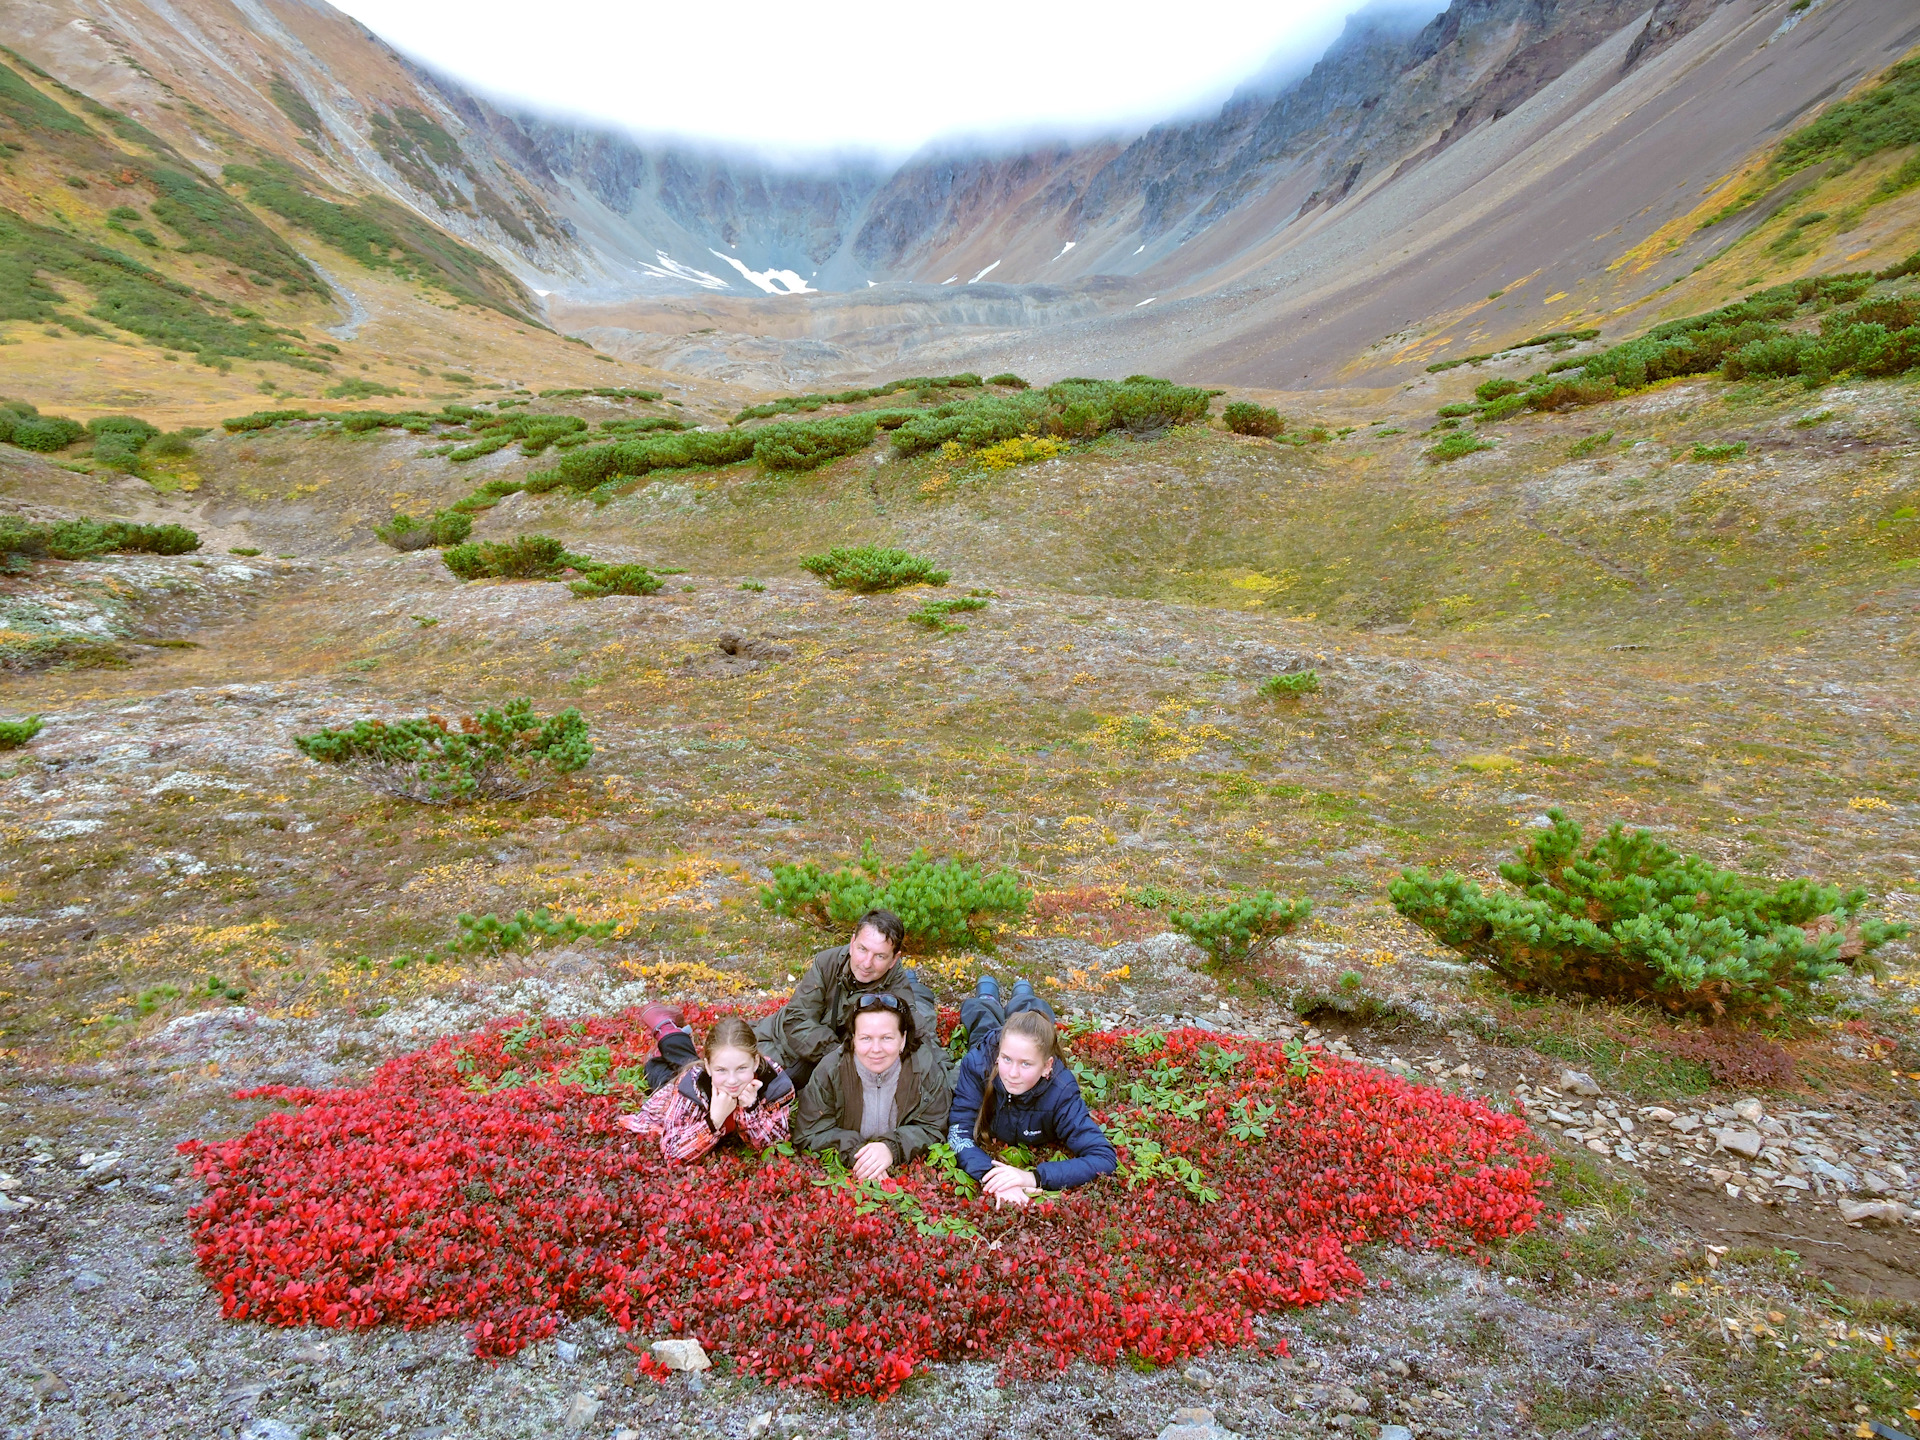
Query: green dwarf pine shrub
1497	388
504	753
869	568
936	614
1243	417
1632	919
15	733
603	580
1730	451
809	444
1010	380
492	935
1236	933
941	902
44	434
267	420
1456	445
119	439
446	527
86	539
526	557
1293	683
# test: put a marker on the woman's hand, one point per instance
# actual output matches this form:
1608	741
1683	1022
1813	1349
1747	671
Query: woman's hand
1015	1187
872	1161
633	1123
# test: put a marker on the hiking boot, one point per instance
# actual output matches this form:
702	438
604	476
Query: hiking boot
987	988
659	1019
1023	998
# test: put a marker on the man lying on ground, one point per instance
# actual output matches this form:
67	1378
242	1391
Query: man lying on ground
802	1031
880	1100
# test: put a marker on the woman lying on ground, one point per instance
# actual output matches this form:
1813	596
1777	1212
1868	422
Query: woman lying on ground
1014	1086
695	1105
879	1099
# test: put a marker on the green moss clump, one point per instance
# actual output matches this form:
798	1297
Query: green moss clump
1633	919
15	733
1293	683
1456	446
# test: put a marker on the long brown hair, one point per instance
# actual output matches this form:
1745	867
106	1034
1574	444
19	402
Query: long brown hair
1030	1025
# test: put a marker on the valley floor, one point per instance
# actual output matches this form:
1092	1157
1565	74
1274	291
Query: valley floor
1725	652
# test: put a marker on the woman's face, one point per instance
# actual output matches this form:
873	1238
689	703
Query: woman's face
877	1040
1021	1067
732	1070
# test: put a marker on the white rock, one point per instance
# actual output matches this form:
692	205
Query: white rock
681	1355
757	1426
1856	1212
1578	1082
1661	1115
1740	1142
269	1430
1395	1432
580	1414
1749	1110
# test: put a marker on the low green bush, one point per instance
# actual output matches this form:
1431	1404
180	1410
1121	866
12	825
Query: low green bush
1008	379
15	733
1730	451
119	439
489	934
1243	417
1235	933
1632	919
941	902
604	580
267	420
1074	409
86	539
938	615
44	434
604	392
804	403
175	444
809	444
593	465
1455	446
355	388
445	527
502	753
1496	388
1294	682
526	557
869	568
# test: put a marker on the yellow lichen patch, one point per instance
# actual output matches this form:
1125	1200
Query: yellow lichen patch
1159	736
1018	451
1489	764
1868	802
679	976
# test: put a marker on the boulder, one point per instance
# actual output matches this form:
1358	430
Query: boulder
1577	1082
681	1355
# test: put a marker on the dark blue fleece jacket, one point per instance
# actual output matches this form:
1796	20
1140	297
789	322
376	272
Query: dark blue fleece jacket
1052	1113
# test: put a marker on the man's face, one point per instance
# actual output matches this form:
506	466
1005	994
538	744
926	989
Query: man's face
870	955
877	1040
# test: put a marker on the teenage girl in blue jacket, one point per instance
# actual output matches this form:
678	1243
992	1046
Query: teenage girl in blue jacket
1014	1086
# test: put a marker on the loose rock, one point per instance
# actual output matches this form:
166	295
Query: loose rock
681	1355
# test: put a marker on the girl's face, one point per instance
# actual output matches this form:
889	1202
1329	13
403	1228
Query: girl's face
732	1070
1020	1066
877	1040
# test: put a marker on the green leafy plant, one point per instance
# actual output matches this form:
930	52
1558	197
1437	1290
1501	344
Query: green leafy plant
1592	445
1293	683
941	902
1243	417
1632	919
870	568
15	733
1238	931
446	527
503	753
936	615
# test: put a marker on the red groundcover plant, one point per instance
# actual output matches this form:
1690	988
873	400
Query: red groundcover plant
484	1179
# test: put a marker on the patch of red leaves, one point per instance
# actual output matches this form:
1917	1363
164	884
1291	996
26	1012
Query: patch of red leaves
421	1198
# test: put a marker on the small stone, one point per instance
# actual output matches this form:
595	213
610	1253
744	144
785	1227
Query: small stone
268	1430
1394	1432
87	1280
1686	1124
1739	1142
681	1355
1749	1110
1578	1082
627	1432
1400	1368
312	1354
1661	1115
49	1386
756	1427
567	1351
580	1414
1200	1378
